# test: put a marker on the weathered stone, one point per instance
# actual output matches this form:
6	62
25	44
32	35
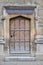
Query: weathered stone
38	29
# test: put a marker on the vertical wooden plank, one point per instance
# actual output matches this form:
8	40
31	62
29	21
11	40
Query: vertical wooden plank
16	35
22	46
16	24
26	24
26	35
12	24
17	46
21	35
26	46
21	24
27	38
11	35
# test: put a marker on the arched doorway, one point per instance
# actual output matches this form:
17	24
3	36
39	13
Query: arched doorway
20	28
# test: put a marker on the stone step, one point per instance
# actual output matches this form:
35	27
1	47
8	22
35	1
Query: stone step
18	58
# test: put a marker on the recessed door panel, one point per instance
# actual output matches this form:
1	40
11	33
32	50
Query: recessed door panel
16	24
21	24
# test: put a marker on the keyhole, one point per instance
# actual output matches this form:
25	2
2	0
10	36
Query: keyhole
11	35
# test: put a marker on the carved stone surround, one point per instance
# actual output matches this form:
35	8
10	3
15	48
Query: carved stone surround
7	16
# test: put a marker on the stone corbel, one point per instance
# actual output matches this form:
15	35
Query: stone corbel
3	18
36	18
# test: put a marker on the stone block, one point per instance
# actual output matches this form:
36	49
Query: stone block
40	12
1	47
39	48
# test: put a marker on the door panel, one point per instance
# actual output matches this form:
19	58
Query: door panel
21	24
27	35
27	24
16	46
19	35
16	24
16	35
12	24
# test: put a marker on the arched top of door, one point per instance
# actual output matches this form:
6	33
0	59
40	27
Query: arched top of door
20	16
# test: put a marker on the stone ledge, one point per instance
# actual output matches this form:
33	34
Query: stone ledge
18	58
39	39
2	41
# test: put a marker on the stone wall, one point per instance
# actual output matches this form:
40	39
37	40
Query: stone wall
39	3
39	16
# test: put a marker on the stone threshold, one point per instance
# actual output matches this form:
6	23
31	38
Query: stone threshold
19	58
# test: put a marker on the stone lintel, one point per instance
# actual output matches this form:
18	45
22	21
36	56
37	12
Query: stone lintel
17	6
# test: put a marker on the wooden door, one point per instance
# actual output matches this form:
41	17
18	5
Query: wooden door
19	35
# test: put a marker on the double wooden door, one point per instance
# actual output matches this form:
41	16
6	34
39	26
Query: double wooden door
19	35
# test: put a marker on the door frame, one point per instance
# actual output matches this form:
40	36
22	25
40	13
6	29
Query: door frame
29	15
